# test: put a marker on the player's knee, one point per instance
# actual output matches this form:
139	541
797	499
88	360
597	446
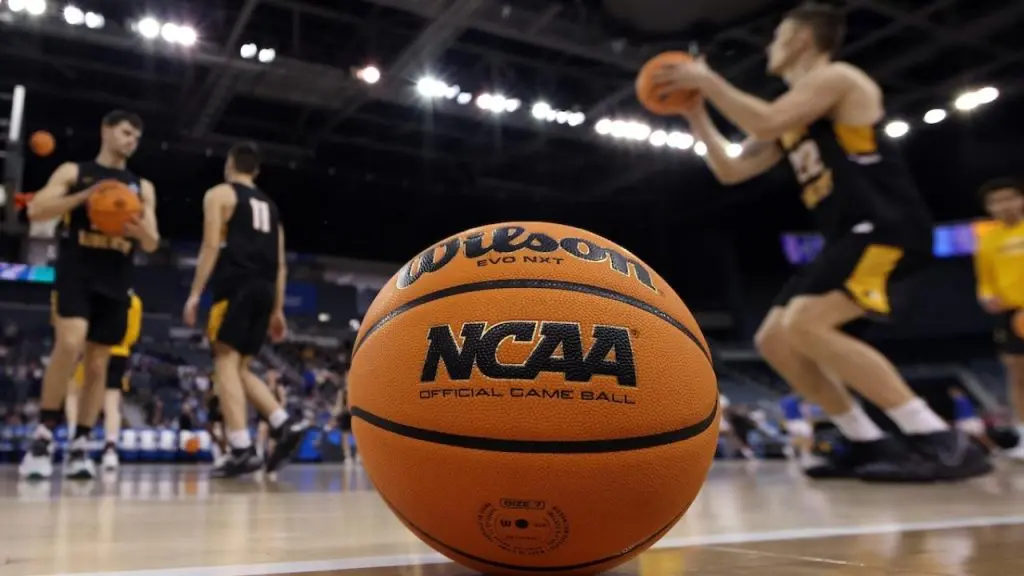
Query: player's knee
69	343
802	319
770	337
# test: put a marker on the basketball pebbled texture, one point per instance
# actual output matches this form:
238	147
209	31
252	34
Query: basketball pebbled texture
531	397
111	205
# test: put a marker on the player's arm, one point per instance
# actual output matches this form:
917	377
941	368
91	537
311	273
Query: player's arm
808	100
757	158
985	277
214	201
147	232
53	201
282	272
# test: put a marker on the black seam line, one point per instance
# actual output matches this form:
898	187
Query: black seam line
653	537
535	284
538	446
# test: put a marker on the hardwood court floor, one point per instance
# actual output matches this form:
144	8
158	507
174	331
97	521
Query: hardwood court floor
760	519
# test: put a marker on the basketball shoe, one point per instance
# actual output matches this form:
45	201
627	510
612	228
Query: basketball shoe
942	456
238	462
37	464
846	460
110	461
287	437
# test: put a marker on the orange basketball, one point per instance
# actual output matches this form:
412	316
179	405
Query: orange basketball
671	104
531	397
111	205
42	143
1018	323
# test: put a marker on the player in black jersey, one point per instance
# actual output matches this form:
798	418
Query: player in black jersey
242	260
92	288
877	229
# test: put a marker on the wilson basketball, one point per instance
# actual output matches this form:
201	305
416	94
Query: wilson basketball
531	397
111	205
673	103
42	143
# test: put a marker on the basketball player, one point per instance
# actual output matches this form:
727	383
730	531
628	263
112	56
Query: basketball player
343	419
877	229
242	258
215	426
999	266
93	280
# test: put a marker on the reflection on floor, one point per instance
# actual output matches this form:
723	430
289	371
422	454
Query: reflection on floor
753	519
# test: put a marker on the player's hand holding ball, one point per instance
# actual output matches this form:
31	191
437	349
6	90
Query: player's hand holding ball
667	84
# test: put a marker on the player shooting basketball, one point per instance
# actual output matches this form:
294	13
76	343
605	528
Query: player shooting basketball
877	229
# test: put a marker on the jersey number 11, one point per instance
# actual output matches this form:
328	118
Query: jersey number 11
260	215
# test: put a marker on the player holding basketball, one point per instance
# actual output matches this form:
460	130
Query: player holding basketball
94	278
877	228
999	266
242	259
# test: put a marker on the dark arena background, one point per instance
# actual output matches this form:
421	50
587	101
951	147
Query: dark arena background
387	125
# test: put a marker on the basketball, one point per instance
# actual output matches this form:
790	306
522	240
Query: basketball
532	397
111	205
1018	323
42	143
671	104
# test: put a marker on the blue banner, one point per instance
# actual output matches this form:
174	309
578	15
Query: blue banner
27	273
950	241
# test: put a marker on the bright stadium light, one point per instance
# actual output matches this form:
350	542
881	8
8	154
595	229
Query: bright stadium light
94	21
266	55
187	36
169	32
512	104
452	91
620	129
430	87
577	118
934	116
986	95
897	129
680	140
562	117
35	7
658	138
369	74
967	101
540	110
603	127
700	149
464	98
148	28
248	51
16	5
734	150
73	15
638	131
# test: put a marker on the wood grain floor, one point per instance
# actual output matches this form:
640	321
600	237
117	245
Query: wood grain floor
762	519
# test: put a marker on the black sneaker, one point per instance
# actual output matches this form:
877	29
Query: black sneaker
287	438
79	466
845	462
939	457
239	463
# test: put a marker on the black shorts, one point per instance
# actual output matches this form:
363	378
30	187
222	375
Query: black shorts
107	316
860	265
1006	338
241	320
117	368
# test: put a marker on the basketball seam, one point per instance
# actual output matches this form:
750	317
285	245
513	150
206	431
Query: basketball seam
532	283
538	446
657	535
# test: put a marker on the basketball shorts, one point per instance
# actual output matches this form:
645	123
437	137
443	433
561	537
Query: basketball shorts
241	320
117	372
1006	337
863	267
107	317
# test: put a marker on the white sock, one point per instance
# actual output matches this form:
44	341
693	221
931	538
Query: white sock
277	418
856	425
239	439
916	417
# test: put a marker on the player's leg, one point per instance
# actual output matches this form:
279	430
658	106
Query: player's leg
285	431
262	434
852	282
1013	360
71	400
70	326
117	370
79	465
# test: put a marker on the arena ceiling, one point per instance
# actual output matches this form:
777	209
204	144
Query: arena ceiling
311	111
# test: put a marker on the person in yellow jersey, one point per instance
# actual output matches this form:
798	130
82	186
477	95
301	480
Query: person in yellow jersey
83	406
999	267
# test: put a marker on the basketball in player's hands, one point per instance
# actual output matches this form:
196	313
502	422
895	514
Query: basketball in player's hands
651	94
42	143
111	205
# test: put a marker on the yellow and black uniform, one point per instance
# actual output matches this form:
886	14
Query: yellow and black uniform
119	355
999	267
94	271
245	278
863	199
